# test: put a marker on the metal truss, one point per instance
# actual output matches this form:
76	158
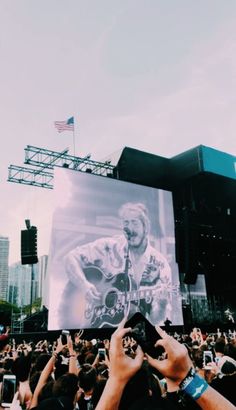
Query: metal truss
45	159
30	176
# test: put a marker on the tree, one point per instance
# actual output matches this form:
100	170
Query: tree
6	310
36	307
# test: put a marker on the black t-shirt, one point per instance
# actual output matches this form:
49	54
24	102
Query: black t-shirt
91	403
85	403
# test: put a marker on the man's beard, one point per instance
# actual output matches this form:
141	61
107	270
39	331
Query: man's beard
141	243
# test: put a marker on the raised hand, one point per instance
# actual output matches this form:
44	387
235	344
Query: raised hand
15	405
123	367
176	363
59	346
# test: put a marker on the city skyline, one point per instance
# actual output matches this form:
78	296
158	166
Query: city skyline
16	278
4	269
19	283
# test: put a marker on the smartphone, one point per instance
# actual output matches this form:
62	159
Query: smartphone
8	389
207	358
101	354
145	334
64	335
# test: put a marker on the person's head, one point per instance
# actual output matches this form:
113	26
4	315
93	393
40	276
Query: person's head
66	385
33	381
87	377
22	367
198	358
60	369
41	361
220	345
140	388
89	358
56	403
230	350
34	378
46	391
136	224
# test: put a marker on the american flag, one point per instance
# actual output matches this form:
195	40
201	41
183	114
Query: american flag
67	125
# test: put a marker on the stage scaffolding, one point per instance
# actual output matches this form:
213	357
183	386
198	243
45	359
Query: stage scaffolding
203	183
43	162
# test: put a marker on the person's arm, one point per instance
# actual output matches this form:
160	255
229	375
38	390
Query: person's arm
200	337
46	373
15	405
176	366
161	304
73	357
97	361
74	270
122	368
78	335
212	400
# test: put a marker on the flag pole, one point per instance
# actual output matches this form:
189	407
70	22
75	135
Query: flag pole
74	136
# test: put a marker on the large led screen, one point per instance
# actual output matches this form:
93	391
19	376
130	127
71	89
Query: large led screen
112	253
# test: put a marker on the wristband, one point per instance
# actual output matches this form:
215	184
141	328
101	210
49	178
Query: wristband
55	354
193	385
72	355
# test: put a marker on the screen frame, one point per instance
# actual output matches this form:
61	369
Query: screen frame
145	194
12	378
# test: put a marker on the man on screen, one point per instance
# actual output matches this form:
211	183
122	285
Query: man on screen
133	276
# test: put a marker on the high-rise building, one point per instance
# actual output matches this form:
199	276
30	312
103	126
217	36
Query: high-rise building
19	285
4	255
43	285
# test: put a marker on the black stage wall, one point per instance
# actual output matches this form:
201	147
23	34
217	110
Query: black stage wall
203	184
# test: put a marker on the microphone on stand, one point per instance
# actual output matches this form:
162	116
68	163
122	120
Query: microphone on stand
128	233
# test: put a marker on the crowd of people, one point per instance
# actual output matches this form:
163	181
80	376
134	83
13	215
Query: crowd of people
187	372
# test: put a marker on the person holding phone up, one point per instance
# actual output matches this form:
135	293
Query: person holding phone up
177	368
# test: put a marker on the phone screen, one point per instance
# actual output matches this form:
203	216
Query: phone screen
8	389
207	358
145	334
101	353
64	335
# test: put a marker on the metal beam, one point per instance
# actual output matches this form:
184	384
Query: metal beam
30	176
45	159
